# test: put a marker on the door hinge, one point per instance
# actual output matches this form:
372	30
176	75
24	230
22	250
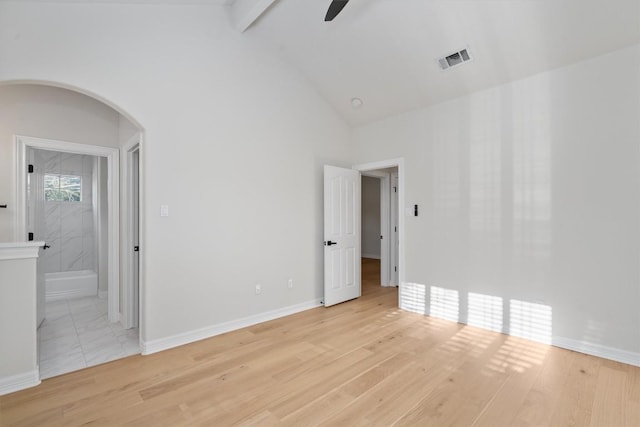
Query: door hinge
136	248
395	229
30	169
380	237
30	238
395	189
395	268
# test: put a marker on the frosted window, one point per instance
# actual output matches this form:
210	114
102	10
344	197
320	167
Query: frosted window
62	188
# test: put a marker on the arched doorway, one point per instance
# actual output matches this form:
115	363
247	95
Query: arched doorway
62	127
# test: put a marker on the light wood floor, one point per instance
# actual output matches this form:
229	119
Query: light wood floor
361	363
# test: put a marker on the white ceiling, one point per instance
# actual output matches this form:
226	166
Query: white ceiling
216	2
384	51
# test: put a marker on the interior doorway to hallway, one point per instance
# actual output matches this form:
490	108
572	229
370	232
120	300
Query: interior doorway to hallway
380	228
397	163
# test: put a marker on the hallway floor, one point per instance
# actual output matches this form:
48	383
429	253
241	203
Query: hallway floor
76	334
370	274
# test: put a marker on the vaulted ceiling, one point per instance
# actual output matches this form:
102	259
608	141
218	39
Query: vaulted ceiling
385	52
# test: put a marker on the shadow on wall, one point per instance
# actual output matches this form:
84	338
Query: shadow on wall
513	317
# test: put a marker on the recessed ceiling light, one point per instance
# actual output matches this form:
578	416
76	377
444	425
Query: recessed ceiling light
356	102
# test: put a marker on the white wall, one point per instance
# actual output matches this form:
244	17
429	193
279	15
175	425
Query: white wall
530	193
45	112
370	217
234	143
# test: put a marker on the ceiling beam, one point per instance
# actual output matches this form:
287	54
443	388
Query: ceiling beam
246	12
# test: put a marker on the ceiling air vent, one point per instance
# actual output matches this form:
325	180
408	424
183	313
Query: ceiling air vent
454	59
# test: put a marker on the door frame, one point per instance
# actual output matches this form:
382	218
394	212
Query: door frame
113	196
385	164
385	224
394	217
131	306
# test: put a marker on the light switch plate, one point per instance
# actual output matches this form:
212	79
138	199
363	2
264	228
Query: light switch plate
164	210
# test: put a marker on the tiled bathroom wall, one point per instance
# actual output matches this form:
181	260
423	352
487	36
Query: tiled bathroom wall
69	226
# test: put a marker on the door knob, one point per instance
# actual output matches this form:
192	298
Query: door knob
329	243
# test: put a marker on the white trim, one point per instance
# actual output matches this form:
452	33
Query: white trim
20	250
382	164
19	382
372	256
385	164
128	310
161	344
245	12
597	350
394	214
141	239
622	356
113	195
96	205
373	173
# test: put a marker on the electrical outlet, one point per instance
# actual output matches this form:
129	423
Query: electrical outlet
258	288
290	283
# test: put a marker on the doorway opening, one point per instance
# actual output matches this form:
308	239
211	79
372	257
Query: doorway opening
71	202
380	222
89	300
26	148
382	196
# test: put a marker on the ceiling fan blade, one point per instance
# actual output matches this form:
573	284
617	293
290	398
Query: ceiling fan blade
335	8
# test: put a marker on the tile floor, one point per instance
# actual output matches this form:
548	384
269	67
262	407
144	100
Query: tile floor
77	334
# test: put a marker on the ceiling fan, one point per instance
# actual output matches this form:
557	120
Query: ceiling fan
335	8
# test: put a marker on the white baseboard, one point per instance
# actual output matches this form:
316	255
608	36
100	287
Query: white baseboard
610	353
372	256
155	346
19	382
622	356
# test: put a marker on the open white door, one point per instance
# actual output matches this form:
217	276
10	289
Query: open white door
341	235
